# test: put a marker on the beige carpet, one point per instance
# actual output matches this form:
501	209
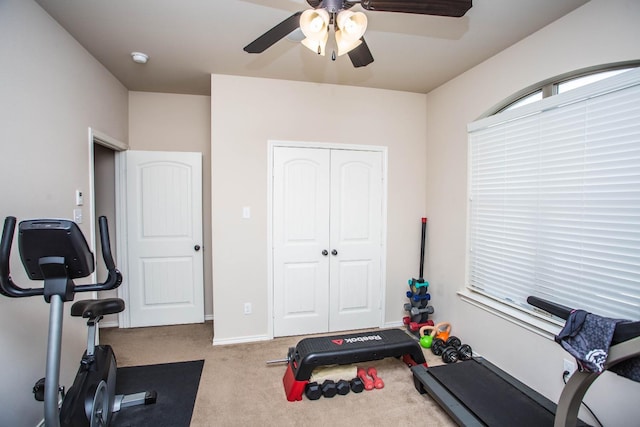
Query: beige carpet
237	388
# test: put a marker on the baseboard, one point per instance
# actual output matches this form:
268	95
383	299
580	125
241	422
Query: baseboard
109	324
240	340
393	324
115	324
255	338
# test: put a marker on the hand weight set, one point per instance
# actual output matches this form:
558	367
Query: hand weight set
451	350
329	388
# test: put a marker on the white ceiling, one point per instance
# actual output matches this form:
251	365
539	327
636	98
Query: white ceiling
187	40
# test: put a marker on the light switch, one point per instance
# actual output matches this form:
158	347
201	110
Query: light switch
246	212
79	198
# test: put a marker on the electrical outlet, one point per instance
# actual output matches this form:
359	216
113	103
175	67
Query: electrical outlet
569	366
247	308
77	216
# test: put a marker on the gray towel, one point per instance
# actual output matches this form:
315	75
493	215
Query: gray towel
587	337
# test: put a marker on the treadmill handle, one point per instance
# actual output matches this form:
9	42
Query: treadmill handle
551	307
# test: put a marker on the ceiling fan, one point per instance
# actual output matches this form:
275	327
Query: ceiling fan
349	26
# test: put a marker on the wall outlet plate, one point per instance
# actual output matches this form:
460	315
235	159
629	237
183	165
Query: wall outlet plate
569	366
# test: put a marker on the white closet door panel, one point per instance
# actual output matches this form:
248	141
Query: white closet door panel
300	234
356	237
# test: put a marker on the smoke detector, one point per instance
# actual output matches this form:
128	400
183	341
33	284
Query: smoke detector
139	57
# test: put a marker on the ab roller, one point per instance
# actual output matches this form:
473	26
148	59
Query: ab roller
440	341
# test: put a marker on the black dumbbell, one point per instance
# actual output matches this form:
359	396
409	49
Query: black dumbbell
453	341
312	391
329	388
357	386
450	354
465	352
343	387
437	346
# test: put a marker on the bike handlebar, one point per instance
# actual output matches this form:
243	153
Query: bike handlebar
10	289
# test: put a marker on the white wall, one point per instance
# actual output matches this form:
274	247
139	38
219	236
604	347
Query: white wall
51	92
172	122
248	112
602	31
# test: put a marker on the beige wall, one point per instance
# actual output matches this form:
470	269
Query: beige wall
171	122
602	31
51	92
248	112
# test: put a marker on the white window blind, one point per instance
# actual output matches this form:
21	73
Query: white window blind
555	200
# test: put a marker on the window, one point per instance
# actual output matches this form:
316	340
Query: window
585	80
525	100
555	200
562	84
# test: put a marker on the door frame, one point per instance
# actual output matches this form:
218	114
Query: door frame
119	147
271	144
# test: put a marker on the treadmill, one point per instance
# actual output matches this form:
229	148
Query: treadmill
478	393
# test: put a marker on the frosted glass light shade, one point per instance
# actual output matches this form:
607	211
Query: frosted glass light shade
314	23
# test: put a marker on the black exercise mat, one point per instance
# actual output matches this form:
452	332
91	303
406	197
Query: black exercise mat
177	387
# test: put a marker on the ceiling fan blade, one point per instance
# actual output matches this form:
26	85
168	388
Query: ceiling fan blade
454	8
274	35
361	55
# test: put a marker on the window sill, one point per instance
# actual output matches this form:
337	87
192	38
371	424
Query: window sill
539	323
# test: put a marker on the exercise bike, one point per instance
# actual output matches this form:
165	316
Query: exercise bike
56	252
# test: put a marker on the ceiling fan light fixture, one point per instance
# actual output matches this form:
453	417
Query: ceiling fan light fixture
316	46
314	23
345	43
352	23
351	28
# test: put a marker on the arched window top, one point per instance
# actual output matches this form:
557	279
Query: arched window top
560	84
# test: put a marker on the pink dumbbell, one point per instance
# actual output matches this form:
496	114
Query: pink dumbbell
377	382
368	384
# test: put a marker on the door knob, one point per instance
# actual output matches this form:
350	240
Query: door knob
334	252
196	247
325	252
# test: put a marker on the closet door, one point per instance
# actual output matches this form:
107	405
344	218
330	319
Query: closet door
327	240
355	283
300	235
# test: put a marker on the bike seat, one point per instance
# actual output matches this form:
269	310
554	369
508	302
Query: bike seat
92	308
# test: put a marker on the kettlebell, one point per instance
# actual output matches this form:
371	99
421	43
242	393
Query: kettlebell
443	330
427	338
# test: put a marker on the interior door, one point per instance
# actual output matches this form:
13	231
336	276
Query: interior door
164	229
300	235
327	239
355	283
